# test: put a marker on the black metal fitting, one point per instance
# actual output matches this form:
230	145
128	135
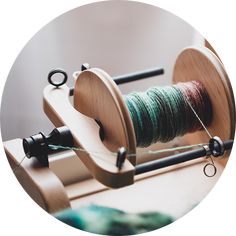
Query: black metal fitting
38	145
101	129
216	146
85	66
121	156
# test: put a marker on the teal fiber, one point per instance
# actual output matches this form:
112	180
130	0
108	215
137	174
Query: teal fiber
163	113
110	221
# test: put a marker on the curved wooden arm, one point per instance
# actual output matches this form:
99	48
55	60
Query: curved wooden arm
39	182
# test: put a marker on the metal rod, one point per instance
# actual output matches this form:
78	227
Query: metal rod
122	79
176	159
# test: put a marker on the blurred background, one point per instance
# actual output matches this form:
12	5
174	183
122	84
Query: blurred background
116	36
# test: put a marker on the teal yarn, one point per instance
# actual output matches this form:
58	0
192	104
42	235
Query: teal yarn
162	113
110	221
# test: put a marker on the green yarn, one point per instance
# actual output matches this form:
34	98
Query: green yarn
110	221
163	113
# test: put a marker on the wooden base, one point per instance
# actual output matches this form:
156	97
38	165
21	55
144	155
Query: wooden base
53	193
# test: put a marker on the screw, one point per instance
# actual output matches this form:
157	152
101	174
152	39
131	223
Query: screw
85	66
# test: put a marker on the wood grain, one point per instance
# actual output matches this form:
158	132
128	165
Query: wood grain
97	96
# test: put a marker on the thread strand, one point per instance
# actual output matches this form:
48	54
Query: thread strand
151	152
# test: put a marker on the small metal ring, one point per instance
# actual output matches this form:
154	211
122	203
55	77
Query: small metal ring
205	170
216	146
57	71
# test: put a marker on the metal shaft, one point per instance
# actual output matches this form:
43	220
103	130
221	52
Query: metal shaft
121	79
176	159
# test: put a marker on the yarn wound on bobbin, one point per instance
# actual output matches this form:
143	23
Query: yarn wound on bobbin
162	113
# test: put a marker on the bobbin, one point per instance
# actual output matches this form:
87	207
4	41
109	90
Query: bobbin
97	97
195	63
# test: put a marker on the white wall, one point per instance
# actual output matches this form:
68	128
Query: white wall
117	36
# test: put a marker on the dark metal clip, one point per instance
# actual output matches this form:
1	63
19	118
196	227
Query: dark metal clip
121	156
216	146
